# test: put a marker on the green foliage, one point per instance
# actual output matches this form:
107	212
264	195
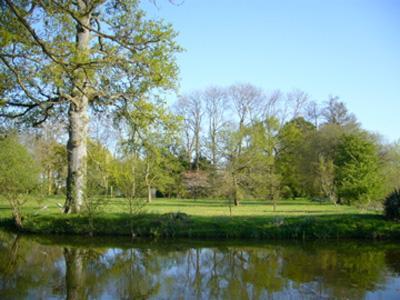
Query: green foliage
292	138
321	144
390	171
51	156
357	174
265	181
392	205
325	179
19	174
128	56
100	164
152	138
124	174
61	58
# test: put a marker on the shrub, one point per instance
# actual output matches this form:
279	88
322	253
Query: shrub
392	205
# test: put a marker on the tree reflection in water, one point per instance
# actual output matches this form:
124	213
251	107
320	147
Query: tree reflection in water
37	268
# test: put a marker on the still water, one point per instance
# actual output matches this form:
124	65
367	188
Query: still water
33	267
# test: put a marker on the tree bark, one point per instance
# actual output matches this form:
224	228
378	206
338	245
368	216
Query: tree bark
78	121
17	218
77	155
148	182
149	197
235	191
197	148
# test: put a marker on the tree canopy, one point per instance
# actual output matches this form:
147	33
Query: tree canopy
61	58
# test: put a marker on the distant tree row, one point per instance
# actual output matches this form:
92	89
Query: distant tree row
231	143
250	143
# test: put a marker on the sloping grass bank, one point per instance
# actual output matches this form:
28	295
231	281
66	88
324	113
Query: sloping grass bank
209	219
177	225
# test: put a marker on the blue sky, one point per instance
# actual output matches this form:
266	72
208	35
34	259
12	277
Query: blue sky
347	48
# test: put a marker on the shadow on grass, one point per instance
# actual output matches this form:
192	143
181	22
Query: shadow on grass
224	203
191	204
322	212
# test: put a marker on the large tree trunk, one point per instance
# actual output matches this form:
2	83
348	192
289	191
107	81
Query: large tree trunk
77	155
78	120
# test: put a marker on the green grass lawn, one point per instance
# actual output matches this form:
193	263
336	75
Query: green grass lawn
196	207
205	218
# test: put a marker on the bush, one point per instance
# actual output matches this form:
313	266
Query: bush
392	206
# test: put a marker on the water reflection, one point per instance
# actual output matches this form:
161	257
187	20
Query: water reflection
32	267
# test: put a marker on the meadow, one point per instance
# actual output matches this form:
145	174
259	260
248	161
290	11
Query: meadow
195	207
206	218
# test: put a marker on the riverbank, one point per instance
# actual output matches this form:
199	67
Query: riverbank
202	219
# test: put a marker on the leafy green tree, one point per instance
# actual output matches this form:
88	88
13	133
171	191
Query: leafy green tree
152	136
237	163
292	136
325	179
100	162
52	158
159	164
357	169
316	155
265	182
61	58
19	175
391	167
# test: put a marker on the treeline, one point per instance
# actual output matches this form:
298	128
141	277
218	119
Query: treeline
236	142
241	142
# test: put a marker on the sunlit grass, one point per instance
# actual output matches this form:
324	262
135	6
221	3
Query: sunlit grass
195	207
207	218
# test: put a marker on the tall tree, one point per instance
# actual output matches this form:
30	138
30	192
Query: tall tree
100	165
49	151
152	137
215	106
62	57
238	160
246	100
357	176
292	136
265	181
312	113
159	163
190	107
336	112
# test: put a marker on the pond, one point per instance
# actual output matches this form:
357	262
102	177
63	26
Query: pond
38	267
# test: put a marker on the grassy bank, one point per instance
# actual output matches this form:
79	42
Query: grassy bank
179	218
